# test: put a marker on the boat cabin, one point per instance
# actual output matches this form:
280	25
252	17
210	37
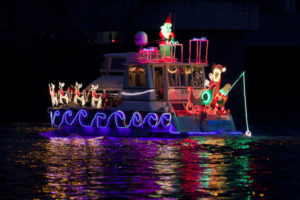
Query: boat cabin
155	79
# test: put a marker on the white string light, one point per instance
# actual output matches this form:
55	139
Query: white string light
137	93
248	132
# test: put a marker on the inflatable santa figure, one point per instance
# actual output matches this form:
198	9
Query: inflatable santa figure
166	34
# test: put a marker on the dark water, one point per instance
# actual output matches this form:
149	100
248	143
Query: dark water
35	167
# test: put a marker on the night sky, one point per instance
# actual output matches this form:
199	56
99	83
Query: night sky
51	41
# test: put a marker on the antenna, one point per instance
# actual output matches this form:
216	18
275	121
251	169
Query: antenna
174	25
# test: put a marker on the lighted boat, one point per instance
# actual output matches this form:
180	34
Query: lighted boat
151	92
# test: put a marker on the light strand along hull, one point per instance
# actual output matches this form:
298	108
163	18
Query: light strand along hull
138	124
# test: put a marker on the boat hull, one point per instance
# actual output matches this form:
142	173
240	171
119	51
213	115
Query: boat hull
116	123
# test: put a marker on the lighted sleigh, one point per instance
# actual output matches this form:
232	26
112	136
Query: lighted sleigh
152	92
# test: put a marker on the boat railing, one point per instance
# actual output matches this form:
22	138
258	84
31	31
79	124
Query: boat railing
167	53
173	52
198	48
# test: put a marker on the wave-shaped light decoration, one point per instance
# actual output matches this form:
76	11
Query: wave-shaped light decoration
69	118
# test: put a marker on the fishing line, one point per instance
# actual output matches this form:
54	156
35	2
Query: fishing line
248	132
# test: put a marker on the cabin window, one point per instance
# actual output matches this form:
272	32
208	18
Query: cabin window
198	76
117	63
185	73
158	82
136	76
173	76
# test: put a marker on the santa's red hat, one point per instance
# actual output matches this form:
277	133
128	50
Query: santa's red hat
168	20
220	67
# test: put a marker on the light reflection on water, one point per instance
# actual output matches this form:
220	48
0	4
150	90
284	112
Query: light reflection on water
134	168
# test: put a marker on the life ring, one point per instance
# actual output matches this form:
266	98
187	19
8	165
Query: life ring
188	70
132	69
172	71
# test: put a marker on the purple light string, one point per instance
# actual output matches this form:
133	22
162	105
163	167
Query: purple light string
152	119
137	121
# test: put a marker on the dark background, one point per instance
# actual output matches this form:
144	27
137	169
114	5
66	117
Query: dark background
51	41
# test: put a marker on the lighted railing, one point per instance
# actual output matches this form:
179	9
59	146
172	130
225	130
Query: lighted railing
201	50
149	55
166	54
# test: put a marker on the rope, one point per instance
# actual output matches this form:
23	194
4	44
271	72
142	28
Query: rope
248	132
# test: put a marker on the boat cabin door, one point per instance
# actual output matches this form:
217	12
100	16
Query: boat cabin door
158	82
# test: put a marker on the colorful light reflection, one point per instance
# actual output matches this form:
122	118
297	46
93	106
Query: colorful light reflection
101	167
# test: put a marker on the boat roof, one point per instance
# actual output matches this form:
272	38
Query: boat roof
120	55
132	59
129	56
167	64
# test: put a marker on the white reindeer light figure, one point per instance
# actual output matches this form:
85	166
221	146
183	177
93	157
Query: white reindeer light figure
79	96
63	94
95	97
53	94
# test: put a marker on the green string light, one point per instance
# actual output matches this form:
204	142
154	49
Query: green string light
248	132
237	80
